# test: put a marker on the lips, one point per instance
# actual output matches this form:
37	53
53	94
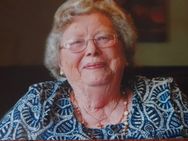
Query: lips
96	65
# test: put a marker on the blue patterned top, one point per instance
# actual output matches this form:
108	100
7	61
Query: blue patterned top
159	110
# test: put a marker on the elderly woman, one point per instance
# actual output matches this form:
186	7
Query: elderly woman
89	49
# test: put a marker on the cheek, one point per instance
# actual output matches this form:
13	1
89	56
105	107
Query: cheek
69	63
117	65
117	61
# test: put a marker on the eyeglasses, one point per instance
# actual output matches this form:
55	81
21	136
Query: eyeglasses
77	45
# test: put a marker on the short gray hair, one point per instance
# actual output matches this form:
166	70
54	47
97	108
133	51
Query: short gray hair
64	15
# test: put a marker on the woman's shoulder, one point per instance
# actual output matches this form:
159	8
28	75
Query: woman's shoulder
153	83
35	109
49	85
161	105
49	88
154	80
158	89
44	91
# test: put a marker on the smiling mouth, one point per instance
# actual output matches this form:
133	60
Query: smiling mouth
94	65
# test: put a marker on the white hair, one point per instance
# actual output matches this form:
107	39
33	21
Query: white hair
64	15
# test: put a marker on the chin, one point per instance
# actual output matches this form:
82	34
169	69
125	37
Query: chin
97	78
97	82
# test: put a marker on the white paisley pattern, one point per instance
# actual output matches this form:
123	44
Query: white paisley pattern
159	110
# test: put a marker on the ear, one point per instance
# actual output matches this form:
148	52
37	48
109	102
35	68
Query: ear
60	66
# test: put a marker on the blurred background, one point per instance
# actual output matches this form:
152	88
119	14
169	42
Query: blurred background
25	24
24	27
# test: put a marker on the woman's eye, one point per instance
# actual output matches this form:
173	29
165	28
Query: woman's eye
76	42
104	38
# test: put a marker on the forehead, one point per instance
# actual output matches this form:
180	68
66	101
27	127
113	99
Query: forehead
89	23
95	17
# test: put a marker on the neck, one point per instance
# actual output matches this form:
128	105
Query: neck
94	98
110	112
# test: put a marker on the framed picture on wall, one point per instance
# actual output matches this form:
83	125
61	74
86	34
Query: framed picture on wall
150	18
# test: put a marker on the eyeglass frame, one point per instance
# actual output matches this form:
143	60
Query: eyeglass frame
86	41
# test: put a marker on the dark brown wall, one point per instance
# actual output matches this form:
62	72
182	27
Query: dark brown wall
24	26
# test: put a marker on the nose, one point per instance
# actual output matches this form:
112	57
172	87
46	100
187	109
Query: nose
92	48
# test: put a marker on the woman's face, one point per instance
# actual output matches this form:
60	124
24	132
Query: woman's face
93	66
